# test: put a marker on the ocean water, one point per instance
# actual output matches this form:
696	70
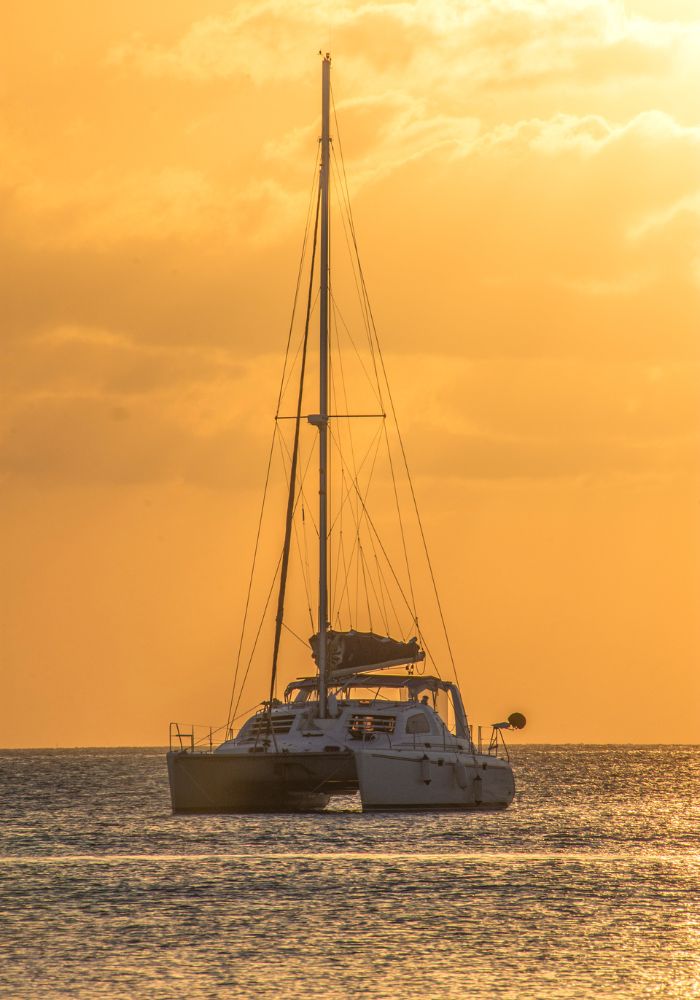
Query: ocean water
587	887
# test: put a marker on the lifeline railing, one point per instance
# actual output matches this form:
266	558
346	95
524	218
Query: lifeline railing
496	745
193	737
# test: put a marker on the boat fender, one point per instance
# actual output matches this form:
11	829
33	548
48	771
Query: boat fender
425	769
477	789
461	774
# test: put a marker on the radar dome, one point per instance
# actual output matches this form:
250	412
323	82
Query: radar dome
517	720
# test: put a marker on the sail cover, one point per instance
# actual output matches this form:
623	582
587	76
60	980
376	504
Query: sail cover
351	652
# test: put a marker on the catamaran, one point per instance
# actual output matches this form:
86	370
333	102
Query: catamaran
370	718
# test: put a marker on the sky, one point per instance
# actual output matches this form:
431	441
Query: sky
525	179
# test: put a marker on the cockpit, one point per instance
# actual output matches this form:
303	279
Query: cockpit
363	691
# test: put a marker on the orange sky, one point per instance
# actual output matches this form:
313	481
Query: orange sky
526	185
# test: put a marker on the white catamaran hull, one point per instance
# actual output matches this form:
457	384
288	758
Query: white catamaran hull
386	779
432	780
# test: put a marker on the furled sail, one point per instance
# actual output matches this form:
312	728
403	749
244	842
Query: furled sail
351	652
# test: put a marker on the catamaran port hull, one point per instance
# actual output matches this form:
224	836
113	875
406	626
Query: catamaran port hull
400	781
258	782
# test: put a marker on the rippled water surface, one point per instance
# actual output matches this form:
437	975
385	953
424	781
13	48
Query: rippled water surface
587	887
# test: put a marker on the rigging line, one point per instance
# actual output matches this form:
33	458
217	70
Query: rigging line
364	296
306	577
401	527
356	278
344	187
328	475
364	578
341	535
299	274
355	472
333	396
345	495
347	564
348	429
334	399
376	383
357	520
358	524
341	539
292	477
340	543
290	373
296	635
354	546
347	408
360	295
345	206
301	494
257	634
417	512
371	382
373	330
252	572
305	573
373	444
384	552
346	594
376	440
333	581
307	568
272	443
343	214
393	409
229	726
378	592
382	588
357	579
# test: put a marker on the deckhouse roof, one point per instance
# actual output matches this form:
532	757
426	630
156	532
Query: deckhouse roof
415	684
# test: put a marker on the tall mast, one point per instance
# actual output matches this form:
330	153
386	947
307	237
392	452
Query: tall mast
323	393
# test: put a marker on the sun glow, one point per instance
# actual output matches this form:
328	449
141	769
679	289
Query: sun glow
525	183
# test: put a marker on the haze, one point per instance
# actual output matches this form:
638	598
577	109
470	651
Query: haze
526	186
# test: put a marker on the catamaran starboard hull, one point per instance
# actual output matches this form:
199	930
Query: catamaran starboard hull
395	780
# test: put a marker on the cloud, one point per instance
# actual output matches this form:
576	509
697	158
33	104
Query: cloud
686	208
516	208
125	438
100	409
588	134
508	41
539	419
622	401
493	457
67	359
524	180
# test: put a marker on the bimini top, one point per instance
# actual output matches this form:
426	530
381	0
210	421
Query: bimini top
414	684
351	652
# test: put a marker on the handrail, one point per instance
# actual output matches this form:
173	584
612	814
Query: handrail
496	741
192	737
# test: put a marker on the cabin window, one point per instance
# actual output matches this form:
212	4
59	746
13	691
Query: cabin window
259	726
367	726
418	723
